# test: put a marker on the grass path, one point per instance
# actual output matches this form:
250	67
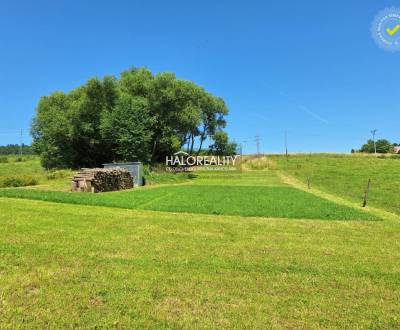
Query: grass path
347	176
290	180
270	164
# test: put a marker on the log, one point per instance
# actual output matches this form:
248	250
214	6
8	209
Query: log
102	180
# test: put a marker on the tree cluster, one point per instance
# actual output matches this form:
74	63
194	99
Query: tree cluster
140	116
383	146
15	149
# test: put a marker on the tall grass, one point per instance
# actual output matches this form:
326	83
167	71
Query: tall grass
18	181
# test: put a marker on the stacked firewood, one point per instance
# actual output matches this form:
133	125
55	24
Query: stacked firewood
102	180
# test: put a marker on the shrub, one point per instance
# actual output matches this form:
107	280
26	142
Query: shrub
18	181
3	160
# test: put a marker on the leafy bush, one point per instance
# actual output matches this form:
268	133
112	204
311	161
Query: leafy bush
18	181
3	160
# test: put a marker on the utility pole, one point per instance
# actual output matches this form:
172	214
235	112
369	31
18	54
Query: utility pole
373	132
243	145
257	140
286	146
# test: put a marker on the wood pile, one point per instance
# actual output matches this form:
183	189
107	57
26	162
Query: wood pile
102	180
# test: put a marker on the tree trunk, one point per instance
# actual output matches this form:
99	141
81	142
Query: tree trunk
153	153
188	144
192	144
202	139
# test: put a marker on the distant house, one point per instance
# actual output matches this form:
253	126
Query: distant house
396	150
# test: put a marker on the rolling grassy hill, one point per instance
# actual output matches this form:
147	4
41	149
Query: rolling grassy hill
347	176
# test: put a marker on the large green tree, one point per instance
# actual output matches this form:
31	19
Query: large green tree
140	116
51	131
128	126
66	129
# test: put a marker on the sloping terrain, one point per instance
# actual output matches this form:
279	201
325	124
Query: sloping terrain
226	250
66	265
347	176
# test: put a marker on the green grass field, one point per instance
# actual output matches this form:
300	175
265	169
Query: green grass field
347	176
224	250
246	194
27	170
65	266
27	166
281	202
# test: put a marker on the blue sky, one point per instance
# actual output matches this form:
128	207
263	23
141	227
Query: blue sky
310	68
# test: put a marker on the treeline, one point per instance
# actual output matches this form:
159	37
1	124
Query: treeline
16	149
382	146
139	116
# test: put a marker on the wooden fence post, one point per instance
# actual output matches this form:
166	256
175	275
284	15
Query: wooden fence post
366	193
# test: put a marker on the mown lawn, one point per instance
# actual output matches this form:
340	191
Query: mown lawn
219	258
347	176
71	266
255	193
265	201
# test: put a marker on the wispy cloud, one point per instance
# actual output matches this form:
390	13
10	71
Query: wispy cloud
313	114
296	103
